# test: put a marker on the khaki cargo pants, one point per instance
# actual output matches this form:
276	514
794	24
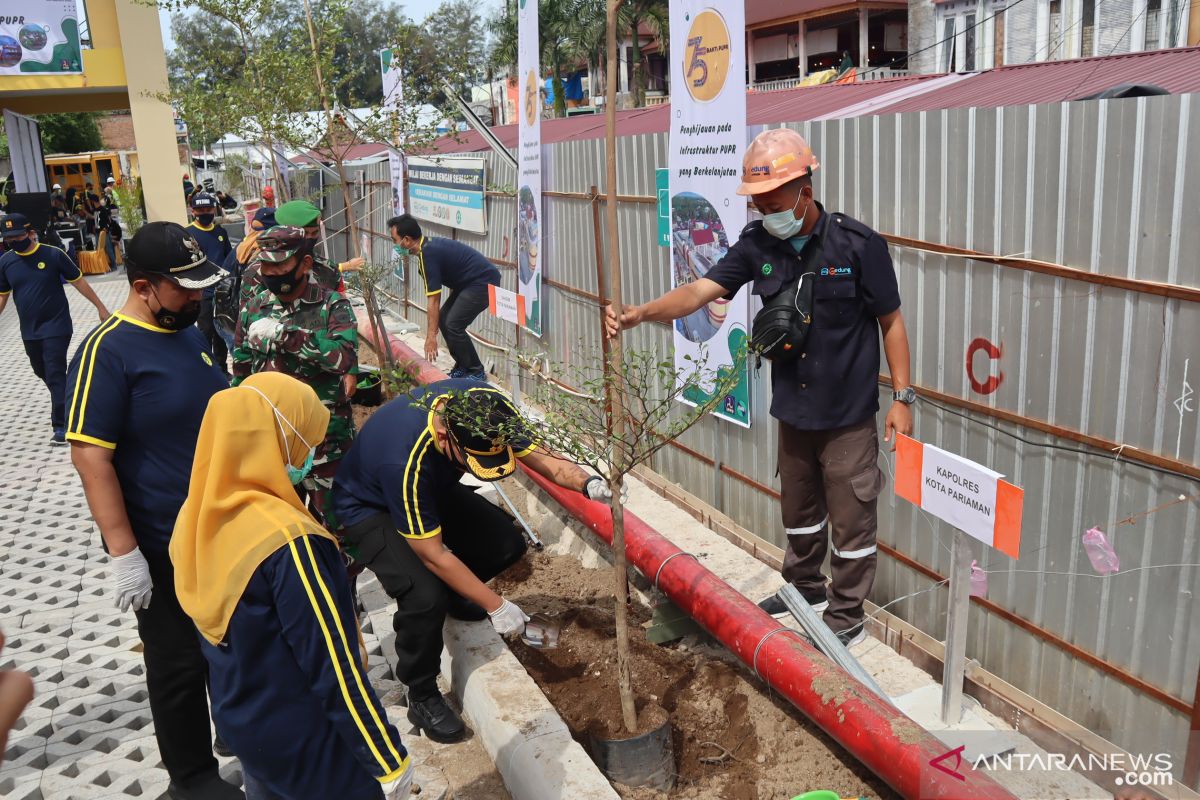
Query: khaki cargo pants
831	479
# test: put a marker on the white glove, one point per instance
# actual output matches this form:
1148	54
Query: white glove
263	332
400	788
508	618
597	489
133	580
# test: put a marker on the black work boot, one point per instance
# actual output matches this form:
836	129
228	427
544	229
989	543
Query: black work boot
436	719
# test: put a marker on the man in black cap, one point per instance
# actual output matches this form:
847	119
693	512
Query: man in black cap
32	274
401	476
214	241
140	383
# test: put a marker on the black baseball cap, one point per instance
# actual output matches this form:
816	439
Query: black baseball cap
167	249
14	225
203	200
481	422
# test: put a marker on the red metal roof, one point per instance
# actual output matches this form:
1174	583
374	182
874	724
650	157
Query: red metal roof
1177	71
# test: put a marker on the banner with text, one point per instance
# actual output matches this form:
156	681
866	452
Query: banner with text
39	36
530	230
708	138
974	499
393	97
448	192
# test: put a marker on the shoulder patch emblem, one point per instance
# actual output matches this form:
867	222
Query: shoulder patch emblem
207	360
767	269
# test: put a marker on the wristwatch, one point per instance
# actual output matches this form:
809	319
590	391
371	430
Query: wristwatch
907	395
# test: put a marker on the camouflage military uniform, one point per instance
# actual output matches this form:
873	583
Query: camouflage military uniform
317	344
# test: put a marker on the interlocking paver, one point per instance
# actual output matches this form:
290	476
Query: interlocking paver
87	735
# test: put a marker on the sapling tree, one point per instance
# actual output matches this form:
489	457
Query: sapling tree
575	422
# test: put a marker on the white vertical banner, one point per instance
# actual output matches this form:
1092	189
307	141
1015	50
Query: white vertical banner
393	97
707	141
530	227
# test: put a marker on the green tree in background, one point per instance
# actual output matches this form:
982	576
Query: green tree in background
69	133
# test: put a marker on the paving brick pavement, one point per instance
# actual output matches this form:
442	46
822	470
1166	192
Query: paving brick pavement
88	733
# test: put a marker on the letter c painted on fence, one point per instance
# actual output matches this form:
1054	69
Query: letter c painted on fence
992	383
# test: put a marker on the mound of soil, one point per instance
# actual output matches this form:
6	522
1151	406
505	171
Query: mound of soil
731	739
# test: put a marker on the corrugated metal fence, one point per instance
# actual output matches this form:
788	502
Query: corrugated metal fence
1046	357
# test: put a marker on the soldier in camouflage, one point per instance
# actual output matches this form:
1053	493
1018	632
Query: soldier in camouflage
295	325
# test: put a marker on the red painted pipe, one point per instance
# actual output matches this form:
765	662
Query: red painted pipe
887	742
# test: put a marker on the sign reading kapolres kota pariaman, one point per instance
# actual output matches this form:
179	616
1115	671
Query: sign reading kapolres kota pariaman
974	499
704	160
39	36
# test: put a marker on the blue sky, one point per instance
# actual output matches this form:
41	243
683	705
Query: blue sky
416	9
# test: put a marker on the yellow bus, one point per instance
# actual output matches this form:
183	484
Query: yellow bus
82	168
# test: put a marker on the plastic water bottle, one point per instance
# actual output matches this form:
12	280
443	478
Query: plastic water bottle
978	581
1100	552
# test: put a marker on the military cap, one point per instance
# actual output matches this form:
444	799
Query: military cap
300	213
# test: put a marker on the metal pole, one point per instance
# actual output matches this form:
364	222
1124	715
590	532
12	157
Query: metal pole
955	665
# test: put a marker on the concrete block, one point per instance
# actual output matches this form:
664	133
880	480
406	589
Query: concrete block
522	732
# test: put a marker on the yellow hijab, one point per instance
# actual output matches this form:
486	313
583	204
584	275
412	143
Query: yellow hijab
241	506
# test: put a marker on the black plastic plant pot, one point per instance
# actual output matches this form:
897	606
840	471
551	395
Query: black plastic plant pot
646	759
370	387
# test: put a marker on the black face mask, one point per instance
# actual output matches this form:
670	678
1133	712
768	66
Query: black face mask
205	219
19	245
176	320
285	284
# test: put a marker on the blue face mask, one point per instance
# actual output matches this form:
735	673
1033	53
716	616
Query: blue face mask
785	224
297	474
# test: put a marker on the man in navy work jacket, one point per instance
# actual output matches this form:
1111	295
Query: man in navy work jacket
430	540
32	274
826	399
214	241
447	264
140	384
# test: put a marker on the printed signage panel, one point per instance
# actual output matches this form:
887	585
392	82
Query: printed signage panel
39	36
531	230
506	305
448	191
974	499
707	140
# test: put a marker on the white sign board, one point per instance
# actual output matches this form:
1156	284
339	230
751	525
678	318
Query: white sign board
971	497
448	191
506	305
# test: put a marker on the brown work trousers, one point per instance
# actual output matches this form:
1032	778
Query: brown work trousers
831	479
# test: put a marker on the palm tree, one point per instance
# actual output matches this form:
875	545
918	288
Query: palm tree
655	15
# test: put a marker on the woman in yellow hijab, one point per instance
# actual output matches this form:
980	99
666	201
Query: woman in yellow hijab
268	591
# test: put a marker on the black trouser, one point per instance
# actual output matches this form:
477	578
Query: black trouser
457	314
176	679
48	357
208	327
483	537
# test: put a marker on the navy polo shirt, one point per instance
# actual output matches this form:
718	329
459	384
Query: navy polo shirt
141	391
214	241
835	381
394	467
454	265
35	280
289	663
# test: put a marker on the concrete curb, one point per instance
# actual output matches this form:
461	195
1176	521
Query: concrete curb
521	731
